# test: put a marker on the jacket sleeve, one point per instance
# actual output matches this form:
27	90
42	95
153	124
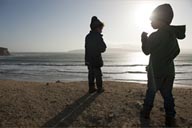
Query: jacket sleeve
145	46
102	45
177	51
151	43
86	57
174	51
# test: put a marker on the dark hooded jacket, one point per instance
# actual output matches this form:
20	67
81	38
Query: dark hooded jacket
94	46
163	47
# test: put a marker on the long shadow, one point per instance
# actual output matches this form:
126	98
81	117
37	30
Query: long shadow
69	114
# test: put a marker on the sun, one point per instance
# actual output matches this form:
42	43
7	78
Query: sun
142	14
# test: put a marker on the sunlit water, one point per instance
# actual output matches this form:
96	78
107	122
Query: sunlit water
46	67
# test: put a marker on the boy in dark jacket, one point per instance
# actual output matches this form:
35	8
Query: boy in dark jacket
163	47
94	46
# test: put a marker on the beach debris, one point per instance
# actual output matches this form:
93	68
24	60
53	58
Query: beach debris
125	125
96	120
126	95
127	104
53	101
183	120
139	105
58	81
111	115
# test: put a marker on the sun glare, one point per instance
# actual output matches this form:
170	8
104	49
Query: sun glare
142	14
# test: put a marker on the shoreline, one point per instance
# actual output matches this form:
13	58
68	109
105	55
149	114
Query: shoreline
37	104
121	81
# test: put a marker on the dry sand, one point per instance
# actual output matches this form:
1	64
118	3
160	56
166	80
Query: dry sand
31	104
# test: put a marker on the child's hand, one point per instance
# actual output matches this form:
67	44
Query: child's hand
144	37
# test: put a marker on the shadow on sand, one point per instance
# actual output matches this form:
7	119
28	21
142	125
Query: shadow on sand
69	114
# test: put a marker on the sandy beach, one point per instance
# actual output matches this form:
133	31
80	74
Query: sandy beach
32	104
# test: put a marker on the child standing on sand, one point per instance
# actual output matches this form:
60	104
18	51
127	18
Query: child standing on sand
163	47
94	46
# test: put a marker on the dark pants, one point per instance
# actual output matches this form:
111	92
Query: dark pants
95	73
165	86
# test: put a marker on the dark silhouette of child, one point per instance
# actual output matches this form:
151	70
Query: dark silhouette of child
94	46
162	46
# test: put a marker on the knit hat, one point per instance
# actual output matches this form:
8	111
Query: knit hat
95	22
163	12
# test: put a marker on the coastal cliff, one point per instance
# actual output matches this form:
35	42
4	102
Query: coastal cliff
4	51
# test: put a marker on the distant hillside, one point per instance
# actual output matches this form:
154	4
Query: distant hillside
77	51
109	50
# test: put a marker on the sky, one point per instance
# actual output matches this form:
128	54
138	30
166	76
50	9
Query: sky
61	25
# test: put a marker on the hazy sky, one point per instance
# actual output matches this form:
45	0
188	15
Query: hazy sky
61	25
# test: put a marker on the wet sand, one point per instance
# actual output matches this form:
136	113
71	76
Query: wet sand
32	104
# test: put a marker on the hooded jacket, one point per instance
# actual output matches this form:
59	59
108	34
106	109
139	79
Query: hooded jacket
94	46
163	48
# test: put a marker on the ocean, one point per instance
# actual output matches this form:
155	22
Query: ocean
50	67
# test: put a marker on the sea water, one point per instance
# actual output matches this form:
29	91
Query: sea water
50	67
